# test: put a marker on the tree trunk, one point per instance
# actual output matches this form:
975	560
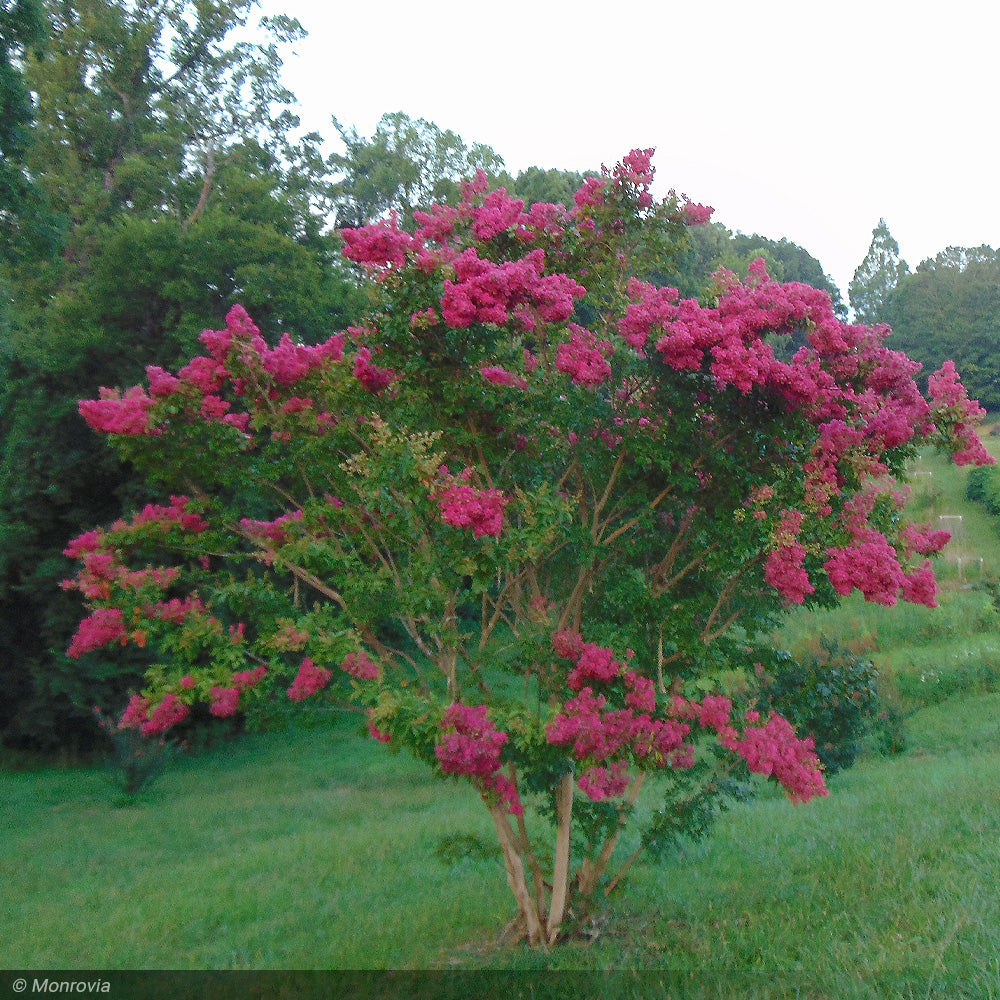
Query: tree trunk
560	874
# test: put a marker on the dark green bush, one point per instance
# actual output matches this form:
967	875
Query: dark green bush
829	693
983	487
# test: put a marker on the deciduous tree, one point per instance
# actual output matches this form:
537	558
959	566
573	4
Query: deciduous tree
535	552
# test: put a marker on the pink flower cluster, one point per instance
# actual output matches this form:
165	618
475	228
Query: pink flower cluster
582	357
237	355
225	701
381	244
101	627
599	783
471	746
169	712
500	376
870	564
784	569
117	413
308	680
772	750
606	739
371	377
176	514
274	531
360	667
635	172
463	506
592	662
485	292
954	411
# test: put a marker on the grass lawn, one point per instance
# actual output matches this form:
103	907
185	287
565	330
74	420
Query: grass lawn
315	849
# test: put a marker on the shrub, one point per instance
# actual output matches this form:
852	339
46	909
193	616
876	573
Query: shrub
829	692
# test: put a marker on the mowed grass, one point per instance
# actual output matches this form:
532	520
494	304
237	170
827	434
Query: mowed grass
299	850
317	850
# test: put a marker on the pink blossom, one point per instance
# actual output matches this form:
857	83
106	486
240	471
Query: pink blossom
114	413
463	506
920	587
775	751
582	357
101	627
376	733
497	214
275	531
373	378
161	383
500	376
136	712
89	541
599	783
470	745
784	571
309	680
168	713
175	610
378	245
693	214
225	701
590	193
244	679
869	565
360	667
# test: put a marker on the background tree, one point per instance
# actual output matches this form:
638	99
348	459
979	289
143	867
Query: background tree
406	164
950	308
22	30
877	275
551	186
160	212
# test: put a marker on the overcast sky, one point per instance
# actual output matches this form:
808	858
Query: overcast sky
793	119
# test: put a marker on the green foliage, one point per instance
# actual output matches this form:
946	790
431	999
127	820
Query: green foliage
406	164
828	692
22	34
947	310
157	212
983	487
552	186
877	276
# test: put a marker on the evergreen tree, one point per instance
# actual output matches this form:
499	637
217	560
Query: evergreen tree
877	275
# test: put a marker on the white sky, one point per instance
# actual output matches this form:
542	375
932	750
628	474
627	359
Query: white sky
793	119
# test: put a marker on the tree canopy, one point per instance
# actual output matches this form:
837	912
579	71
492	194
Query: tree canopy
876	277
949	308
155	211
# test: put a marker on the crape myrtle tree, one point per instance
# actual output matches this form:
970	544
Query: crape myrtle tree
526	517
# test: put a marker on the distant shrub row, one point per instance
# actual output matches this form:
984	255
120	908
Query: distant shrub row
983	487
